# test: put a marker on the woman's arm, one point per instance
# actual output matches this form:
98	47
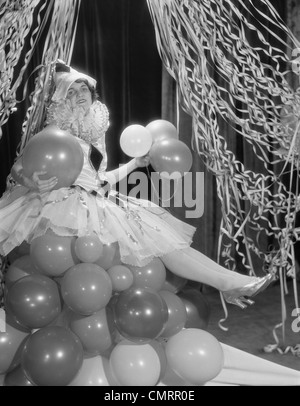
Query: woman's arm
33	183
120	173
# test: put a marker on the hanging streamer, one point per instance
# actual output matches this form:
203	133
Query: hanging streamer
58	45
16	20
232	63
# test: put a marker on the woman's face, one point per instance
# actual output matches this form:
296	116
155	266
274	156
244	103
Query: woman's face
79	95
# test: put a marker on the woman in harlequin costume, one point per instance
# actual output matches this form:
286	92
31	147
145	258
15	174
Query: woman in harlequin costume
143	231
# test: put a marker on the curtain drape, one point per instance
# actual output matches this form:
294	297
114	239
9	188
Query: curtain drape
115	43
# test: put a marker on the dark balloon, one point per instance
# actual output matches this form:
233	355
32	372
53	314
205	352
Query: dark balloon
34	301
17	377
140	314
197	308
177	315
52	356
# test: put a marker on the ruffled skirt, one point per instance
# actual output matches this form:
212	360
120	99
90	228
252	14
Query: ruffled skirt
142	229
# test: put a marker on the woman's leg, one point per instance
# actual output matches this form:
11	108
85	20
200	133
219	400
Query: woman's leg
192	264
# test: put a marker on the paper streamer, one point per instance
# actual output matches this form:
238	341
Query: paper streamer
232	61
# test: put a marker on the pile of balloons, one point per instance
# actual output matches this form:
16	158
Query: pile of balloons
169	156
78	316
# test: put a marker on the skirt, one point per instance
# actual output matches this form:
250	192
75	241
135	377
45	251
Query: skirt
142	229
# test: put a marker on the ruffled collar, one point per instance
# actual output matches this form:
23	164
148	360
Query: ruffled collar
90	126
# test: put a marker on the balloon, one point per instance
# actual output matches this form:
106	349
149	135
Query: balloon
121	277
195	355
160	350
171	158
33	301
177	315
173	283
86	288
93	332
135	365
197	308
63	318
109	256
135	140
52	255
11	345
17	377
161	129
115	334
55	152
92	373
152	275
52	356
88	248
170	378
140	314
21	267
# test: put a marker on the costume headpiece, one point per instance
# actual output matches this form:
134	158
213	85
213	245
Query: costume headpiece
64	77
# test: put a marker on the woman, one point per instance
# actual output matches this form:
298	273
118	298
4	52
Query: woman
142	231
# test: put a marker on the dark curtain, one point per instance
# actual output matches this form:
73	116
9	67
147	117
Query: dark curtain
115	43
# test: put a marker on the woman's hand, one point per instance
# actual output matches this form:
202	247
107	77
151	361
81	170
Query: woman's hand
142	161
42	185
34	182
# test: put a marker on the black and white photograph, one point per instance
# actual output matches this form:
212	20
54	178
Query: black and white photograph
149	195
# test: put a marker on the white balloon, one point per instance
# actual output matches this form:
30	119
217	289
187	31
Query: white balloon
136	140
161	129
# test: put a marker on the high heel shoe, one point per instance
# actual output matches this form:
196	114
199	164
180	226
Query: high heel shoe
237	296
